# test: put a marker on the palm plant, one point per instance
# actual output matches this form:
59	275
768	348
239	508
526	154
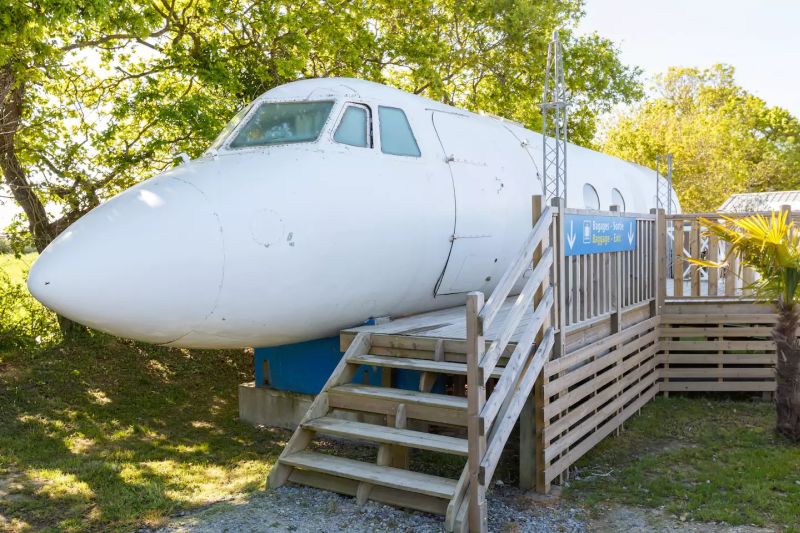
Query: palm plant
771	247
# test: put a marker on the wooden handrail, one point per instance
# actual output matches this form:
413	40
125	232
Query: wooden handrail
512	320
513	272
521	352
513	406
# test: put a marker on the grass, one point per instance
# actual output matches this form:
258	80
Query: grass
101	434
104	434
701	459
16	269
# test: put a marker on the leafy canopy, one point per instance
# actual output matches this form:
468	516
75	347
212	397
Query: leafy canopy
724	139
109	91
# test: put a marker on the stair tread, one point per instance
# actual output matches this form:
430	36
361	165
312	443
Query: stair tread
389	435
402	396
372	473
422	365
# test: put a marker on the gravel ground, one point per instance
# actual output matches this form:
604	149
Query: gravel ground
307	510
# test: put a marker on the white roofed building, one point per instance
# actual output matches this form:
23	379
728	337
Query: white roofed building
761	201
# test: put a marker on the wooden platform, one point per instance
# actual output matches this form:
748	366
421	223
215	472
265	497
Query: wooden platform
590	340
447	323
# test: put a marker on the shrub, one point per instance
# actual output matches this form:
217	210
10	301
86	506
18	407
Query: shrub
24	322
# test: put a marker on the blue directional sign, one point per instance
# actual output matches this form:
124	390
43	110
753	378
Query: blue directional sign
589	234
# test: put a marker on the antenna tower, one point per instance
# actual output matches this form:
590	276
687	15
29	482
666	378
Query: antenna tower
554	124
664	185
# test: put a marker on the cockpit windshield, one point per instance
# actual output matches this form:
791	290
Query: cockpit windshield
283	122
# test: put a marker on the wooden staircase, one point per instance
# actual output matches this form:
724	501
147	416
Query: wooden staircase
396	420
388	480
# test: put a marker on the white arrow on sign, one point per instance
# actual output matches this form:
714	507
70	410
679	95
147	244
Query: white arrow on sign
571	236
630	234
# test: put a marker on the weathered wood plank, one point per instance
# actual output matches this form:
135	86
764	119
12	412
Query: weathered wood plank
719	386
377	475
717	358
388	435
714	372
715	345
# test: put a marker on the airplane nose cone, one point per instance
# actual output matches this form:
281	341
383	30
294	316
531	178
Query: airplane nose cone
147	264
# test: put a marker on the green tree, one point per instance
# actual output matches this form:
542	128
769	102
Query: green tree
96	95
724	139
772	248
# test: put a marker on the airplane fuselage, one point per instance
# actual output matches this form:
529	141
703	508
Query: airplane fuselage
313	212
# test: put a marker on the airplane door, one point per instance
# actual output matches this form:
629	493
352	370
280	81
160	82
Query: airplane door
475	153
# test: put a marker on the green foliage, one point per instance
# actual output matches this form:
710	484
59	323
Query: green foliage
771	247
724	139
701	459
24	322
113	89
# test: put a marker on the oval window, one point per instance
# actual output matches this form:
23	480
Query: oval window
590	198
617	199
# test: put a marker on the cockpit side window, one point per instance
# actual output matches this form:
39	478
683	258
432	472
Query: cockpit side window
282	123
396	135
228	129
354	128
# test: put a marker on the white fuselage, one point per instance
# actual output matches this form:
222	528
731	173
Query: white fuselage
269	245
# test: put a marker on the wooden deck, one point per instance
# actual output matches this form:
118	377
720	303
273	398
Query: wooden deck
447	323
590	340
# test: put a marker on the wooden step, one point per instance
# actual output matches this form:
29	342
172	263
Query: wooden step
388	435
422	365
378	475
419	405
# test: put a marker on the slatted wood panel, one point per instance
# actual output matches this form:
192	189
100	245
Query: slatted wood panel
591	391
717	347
597	285
686	238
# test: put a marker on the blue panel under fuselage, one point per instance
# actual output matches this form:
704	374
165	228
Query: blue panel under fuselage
304	367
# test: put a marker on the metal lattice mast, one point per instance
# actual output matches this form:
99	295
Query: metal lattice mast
664	185
554	124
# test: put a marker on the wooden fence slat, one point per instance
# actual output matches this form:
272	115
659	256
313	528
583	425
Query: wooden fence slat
677	259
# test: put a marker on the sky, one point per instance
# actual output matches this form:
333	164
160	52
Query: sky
760	38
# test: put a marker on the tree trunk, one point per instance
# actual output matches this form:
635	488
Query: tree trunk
12	95
787	394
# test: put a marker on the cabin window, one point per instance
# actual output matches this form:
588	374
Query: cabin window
354	127
282	123
617	199
396	135
590	198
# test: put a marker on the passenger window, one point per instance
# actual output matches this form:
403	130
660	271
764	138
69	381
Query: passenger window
618	199
354	127
396	135
590	198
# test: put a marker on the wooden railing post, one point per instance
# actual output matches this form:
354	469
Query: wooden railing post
660	274
616	286
476	398
527	421
559	316
558	320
